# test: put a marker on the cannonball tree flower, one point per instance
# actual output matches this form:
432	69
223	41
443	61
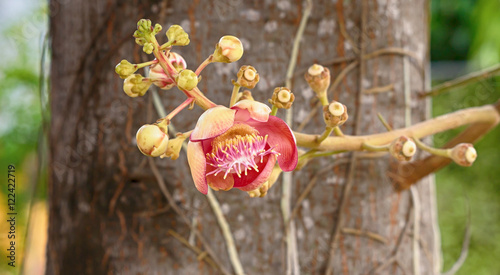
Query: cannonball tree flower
238	147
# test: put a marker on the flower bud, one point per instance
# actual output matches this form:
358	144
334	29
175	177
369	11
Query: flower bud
262	190
229	49
245	95
157	28
335	114
282	98
177	36
187	80
174	147
318	78
148	48
158	75
463	154
144	25
247	77
136	85
177	61
152	140
402	148
125	68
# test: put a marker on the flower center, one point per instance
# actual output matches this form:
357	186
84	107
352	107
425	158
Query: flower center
238	150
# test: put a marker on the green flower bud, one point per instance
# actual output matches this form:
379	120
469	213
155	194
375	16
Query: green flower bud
125	68
148	48
229	49
157	28
187	80
136	85
151	140
144	25
177	36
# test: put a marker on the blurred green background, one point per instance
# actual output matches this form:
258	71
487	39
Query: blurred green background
465	36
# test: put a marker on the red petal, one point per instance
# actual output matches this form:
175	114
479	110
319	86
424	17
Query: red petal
197	164
254	179
213	122
218	182
281	138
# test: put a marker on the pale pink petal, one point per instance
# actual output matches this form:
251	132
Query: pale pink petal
253	179
218	182
281	138
197	164
213	122
258	111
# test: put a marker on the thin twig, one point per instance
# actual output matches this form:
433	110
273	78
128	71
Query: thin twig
465	245
346	191
311	184
461	81
292	265
311	114
390	50
342	74
413	190
192	247
393	255
416	229
226	232
176	209
346	35
381	89
368	234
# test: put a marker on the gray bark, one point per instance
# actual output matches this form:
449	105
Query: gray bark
104	199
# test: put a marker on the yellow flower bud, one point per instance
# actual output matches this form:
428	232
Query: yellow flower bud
282	98
151	140
136	85
187	80
463	154
229	49
174	147
335	114
247	77
125	68
177	36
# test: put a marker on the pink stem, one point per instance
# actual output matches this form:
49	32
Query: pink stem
179	108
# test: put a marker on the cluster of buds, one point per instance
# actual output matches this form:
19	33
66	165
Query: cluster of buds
463	154
403	148
335	114
282	98
318	78
163	80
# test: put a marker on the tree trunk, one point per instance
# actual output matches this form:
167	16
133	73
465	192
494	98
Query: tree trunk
107	213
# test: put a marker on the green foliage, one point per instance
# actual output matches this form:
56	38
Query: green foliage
485	50
451	29
478	183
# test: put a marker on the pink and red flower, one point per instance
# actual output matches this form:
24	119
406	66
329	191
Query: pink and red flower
238	147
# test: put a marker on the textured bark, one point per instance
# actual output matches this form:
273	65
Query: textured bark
107	214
